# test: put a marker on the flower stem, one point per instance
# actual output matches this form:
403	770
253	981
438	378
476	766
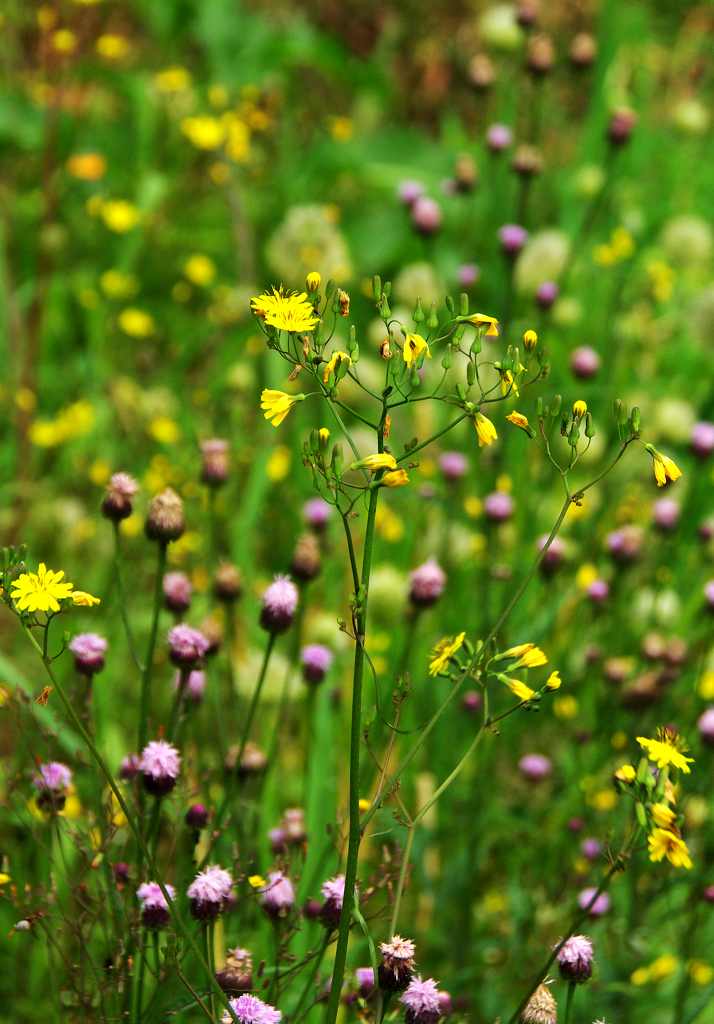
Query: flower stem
569	999
149	661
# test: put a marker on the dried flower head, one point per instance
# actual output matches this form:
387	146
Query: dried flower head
397	966
542	1007
165	519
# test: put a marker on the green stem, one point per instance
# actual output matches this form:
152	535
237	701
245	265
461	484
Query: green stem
296	1015
208	935
122	600
569	999
149	661
403	871
434	437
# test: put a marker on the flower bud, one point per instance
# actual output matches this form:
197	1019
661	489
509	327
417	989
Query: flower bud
307	560
216	462
165	519
583	50
117	503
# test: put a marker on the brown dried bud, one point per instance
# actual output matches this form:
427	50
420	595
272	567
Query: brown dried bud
117	504
236	975
344	302
213	632
384	350
307	562
481	72
216	462
541	55
227	583
465	174
583	50
541	1009
165	519
527	13
527	161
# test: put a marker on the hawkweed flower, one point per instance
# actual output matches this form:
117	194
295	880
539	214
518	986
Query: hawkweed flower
453	465
236	975
117	503
414	348
663	842
443	652
316	512
373	463
579	409
160	764
286	311
426	584
52	781
575	959
84	600
535	767
279	605
397	966
665	469
277	896
277	404
40	591
525	655
521	421
215	467
177	592
667	749
395	478
337	362
316	660
227	583
210	893
333	892
485	430
155	911
421	1001
518	688
541	1007
313	281
530	340
482	320
165	520
187	646
249	1009
596	905
88	650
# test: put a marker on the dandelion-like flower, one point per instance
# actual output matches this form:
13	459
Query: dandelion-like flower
154	908
414	348
666	750
159	765
40	591
663	842
286	311
88	650
575	959
210	892
443	652
251	1010
337	361
277	404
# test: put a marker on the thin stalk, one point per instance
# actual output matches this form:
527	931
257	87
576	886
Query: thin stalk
208	937
403	872
149	660
569	999
296	1016
131	641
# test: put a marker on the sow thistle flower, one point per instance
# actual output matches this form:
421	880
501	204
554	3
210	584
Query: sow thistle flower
443	652
414	347
666	750
665	469
517	687
527	656
662	843
43	590
277	404
395	478
287	311
482	320
373	463
484	429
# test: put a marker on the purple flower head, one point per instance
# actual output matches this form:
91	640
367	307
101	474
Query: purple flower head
177	591
154	908
498	506
554	556
316	660
705	724
708	894
453	465
277	839
591	848
215	467
426	584
665	514
194	684
499	137
160	764
600	905
409	191
52	777
575	959
187	645
397	966
702	440
621	126
421	999
426	215
316	513
129	767
472	701
277	896
365	981
468	274
88	650
625	543
280	602
333	892
598	591
584	362
117	503
535	767
546	294
210	892
251	1010
709	593
197	816
512	238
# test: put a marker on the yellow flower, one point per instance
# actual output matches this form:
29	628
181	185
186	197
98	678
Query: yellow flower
520	689
373	463
172	79
626	773
663	843
414	347
257	881
396	478
119	215
518	420
481	320
118	285
278	465
364	805
85	600
579	408
665	469
324	434
112	47
200	269
665	750
485	430
663	816
565	707
527	655
553	682
136	323
87	166
508	384
530	340
313	281
330	367
277	404
164	430
204	131
41	591
701	973
443	651
288	311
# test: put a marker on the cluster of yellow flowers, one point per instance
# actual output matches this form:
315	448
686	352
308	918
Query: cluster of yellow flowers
73	421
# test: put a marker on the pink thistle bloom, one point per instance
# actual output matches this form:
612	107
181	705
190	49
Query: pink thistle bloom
453	465
333	891
177	591
88	650
280	602
278	896
705	725
365	981
129	767
316	661
160	764
535	767
576	959
427	584
316	513
209	892
187	645
194	684
251	1010
397	966
421	1000
52	777
154	908
599	906
121	489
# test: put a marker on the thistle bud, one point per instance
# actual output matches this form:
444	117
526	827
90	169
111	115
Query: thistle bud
481	72
117	503
527	162
216	462
541	55
165	518
621	126
583	50
227	583
307	562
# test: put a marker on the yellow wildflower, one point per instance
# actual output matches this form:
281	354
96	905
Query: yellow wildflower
443	651
337	357
484	429
626	773
204	132
277	404
530	340
520	689
313	281
666	750
518	420
40	591
373	463
553	682
287	311
172	79
662	815
364	805
508	384
136	322
565	707
85	600
396	478
482	320
119	215
414	347
665	469
664	843
527	655
257	881
87	166
118	285
579	409
112	46
200	269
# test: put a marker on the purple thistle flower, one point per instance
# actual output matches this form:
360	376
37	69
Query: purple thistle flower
535	767
584	362
625	543
333	892
709	594
316	513
409	191
397	966
499	137
598	591
280	602
177	591
705	725
512	238
426	215
194	684
186	645
197	816
421	999
210	892
591	848
365	981
154	908
53	776
316	660
600	905
575	959
117	503
426	584
453	465
546	294
665	514
553	557
129	767
468	274
215	467
88	650
498	506
160	764
251	1010
702	440
277	896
